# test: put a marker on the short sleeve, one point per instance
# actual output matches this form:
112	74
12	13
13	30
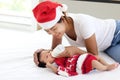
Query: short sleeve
87	26
87	30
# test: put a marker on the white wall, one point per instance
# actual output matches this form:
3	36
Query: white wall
102	10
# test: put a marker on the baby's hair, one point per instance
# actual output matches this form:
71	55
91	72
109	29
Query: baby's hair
41	64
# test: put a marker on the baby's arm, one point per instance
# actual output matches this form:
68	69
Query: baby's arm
63	71
52	67
60	70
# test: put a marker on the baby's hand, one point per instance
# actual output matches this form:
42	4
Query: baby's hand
52	67
48	65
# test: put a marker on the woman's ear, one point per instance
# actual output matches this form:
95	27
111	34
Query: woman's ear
38	27
63	19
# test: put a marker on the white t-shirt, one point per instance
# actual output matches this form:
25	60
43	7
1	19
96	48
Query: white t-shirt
85	26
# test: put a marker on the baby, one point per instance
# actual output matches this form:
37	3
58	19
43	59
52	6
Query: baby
70	66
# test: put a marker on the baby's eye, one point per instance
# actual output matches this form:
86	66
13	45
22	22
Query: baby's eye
54	29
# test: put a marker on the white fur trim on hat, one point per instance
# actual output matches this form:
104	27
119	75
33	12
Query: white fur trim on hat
80	62
50	24
64	7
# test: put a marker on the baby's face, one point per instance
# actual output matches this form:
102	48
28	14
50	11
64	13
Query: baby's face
45	56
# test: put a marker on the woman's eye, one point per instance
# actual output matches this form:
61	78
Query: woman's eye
54	29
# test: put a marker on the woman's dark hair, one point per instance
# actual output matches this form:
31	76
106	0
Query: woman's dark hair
65	17
41	64
60	20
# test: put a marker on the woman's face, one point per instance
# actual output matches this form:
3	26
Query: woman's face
58	30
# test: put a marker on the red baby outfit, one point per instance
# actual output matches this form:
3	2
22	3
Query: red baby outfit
70	66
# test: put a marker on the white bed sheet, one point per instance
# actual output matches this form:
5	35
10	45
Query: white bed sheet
16	58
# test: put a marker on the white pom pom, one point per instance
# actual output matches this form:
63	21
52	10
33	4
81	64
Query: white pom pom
64	7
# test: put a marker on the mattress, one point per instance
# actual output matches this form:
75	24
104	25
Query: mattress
16	58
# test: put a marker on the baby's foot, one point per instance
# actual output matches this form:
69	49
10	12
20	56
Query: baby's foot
112	66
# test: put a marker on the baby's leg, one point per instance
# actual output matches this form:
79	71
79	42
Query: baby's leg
99	66
112	66
101	60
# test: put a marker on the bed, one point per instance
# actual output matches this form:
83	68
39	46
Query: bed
16	58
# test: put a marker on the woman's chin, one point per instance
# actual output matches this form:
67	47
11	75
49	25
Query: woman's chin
58	36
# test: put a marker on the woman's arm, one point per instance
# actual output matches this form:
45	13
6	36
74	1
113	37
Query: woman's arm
70	51
91	45
56	41
35	56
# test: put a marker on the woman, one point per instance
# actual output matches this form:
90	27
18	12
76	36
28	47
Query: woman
80	30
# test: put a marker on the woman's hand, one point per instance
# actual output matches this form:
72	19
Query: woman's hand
70	51
35	56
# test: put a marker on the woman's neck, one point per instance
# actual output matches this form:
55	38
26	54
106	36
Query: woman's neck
70	31
69	25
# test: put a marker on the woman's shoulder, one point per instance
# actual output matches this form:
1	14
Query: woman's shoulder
78	15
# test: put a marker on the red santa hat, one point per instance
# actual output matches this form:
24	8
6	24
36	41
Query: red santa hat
48	13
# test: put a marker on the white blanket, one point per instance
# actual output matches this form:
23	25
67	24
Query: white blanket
16	58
